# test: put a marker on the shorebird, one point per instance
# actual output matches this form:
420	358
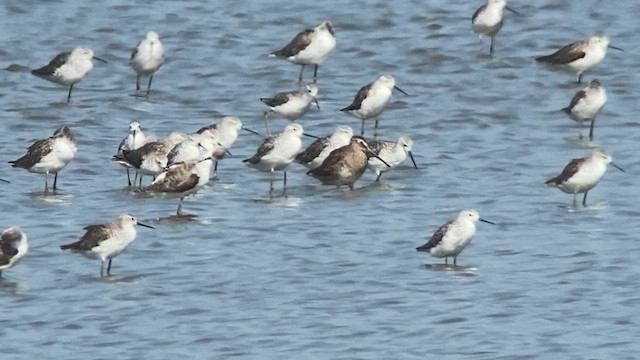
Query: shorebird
68	67
309	47
451	238
580	56
345	165
586	104
134	140
393	153
487	20
291	105
277	152
147	58
183	179
106	241
13	246
190	149
371	100
581	175
315	154
225	132
49	156
149	159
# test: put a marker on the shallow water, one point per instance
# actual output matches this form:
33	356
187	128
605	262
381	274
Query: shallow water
325	273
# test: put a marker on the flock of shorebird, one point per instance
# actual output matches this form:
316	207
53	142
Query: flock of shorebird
181	163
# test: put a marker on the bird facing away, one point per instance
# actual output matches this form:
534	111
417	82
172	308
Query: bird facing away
106	241
277	152
147	58
183	179
451	238
134	140
315	154
586	104
345	165
582	174
68	67
372	99
579	56
49	156
13	246
309	47
291	105
394	153
487	20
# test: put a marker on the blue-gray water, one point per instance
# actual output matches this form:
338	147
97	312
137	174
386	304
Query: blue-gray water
325	273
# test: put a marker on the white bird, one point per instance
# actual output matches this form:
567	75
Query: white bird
147	58
314	154
49	156
372	99
582	174
580	56
106	241
183	179
277	152
68	67
225	133
451	238
487	20
149	159
309	47
134	140
291	105
586	104
13	246
393	153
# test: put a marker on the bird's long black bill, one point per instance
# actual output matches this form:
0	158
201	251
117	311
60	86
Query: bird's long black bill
615	48
618	167
311	136
412	160
5	181
99	59
228	152
145	225
512	10
487	221
318	105
381	159
251	131
402	91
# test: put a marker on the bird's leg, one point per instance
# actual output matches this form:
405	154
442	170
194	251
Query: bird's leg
379	175
140	182
102	268
128	177
271	187
375	129
55	182
593	121
215	167
580	78
69	95
584	199
575	204
301	72
491	46
266	122
109	268
138	82
446	260
362	128
315	74
455	261
46	182
179	211
149	84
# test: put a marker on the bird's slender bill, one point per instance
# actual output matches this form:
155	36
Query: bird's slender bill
311	136
617	167
412	160
251	131
512	10
402	91
316	101
99	59
145	225
487	221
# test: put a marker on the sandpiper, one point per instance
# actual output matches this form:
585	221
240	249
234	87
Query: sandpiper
315	153
371	100
291	105
134	140
183	179
190	149
68	68
586	104
147	58
225	132
49	156
106	241
394	153
149	159
581	175
277	152
345	165
580	56
451	238
487	20
13	246
309	47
